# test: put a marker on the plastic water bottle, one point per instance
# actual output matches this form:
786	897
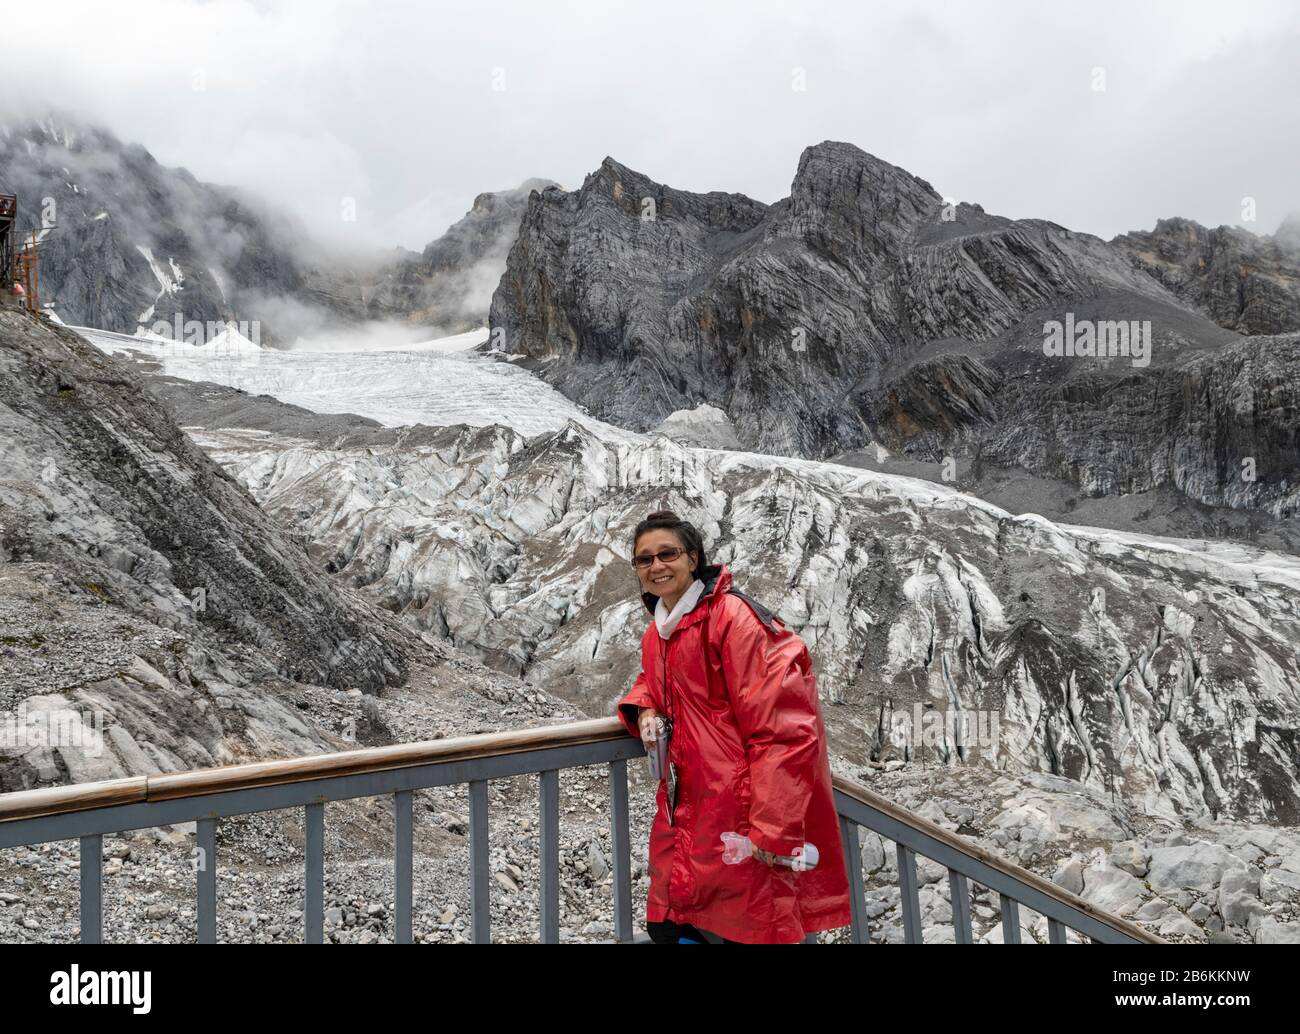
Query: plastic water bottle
735	849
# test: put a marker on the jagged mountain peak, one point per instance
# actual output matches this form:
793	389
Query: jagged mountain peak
623	185
866	309
639	196
843	194
490	201
1242	280
831	157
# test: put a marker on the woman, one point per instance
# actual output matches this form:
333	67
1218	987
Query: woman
747	749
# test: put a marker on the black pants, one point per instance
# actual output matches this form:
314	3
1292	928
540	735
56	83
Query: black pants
668	932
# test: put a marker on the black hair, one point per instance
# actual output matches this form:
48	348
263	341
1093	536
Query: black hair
690	536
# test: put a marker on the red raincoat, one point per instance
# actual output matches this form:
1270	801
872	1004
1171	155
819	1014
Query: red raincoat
750	751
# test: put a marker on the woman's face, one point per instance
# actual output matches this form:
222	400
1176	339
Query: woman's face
664	579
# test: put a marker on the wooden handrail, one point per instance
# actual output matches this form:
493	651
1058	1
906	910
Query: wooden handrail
24	804
56	800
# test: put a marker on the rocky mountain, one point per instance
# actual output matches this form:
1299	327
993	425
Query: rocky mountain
142	583
864	311
135	243
1244	282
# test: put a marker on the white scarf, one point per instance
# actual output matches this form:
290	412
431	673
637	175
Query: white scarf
667	622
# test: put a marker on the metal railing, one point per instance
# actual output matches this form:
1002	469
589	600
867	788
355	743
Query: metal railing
89	810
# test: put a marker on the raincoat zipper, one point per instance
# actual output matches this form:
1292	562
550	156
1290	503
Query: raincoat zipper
672	729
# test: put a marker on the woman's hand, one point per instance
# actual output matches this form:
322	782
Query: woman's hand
649	727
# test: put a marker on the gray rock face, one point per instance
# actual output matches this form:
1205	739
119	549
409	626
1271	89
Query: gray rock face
1130	856
137	243
1241	281
862	309
1196	866
102	488
1114	890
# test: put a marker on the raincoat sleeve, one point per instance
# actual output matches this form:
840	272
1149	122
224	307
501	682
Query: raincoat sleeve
773	696
637	697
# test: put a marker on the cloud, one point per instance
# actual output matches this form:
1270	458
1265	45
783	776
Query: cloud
412	111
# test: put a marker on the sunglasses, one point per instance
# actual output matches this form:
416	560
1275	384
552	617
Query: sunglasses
666	555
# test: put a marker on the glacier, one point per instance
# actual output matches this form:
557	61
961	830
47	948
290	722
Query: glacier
490	511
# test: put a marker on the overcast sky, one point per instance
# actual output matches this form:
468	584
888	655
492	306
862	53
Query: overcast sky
412	110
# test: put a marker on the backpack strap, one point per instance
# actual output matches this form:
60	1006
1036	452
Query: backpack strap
773	624
769	618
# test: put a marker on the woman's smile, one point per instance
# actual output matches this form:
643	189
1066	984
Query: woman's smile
667	579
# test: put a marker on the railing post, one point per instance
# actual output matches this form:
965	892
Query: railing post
911	903
1055	931
959	898
313	898
853	865
206	847
479	863
548	855
621	843
1010	920
92	887
403	848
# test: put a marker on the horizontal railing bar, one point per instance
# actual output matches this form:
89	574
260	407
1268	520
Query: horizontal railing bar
938	844
50	800
149	814
205	781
